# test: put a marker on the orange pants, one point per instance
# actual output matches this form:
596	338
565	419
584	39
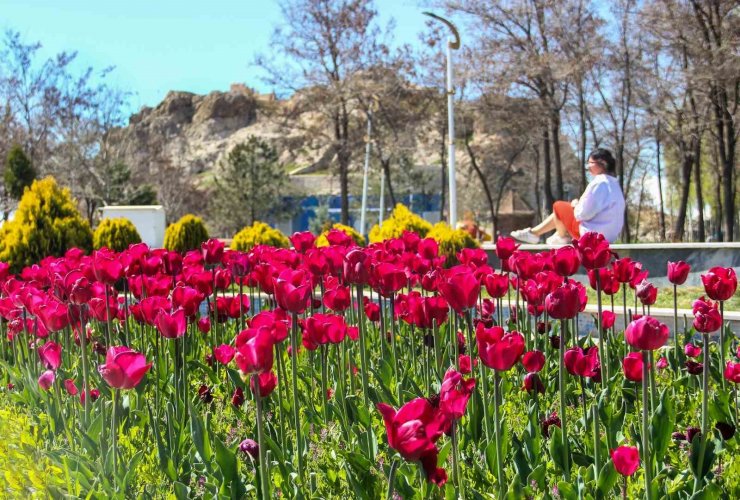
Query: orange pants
565	212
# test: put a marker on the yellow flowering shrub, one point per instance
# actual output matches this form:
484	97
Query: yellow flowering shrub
46	223
116	234
321	241
401	219
451	241
186	234
259	233
24	470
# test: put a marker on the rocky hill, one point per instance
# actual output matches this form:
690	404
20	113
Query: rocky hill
193	131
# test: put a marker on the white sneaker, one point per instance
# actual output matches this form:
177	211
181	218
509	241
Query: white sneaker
525	235
557	240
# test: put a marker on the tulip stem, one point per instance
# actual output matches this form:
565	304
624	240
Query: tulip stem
602	350
281	375
85	375
294	403
393	348
392	480
114	437
497	428
324	392
264	483
363	347
561	383
704	402
456	461
721	340
675	325
647	462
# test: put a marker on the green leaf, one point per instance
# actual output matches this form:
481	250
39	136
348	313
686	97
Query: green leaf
608	478
661	426
226	460
491	457
709	492
557	451
695	455
520	462
181	491
515	491
538	476
200	436
567	491
165	461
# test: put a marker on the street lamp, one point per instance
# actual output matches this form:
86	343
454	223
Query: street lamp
368	146
451	44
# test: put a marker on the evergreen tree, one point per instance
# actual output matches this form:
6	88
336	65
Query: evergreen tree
19	173
250	185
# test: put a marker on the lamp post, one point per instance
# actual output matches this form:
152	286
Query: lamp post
452	43
368	145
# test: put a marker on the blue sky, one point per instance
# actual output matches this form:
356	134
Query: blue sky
162	45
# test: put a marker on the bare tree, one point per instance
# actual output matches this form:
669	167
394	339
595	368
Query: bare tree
330	45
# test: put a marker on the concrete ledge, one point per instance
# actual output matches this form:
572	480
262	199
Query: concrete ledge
655	256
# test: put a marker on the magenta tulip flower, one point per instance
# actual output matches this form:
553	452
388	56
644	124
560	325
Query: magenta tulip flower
124	368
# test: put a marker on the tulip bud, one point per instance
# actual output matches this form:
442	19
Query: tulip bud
251	448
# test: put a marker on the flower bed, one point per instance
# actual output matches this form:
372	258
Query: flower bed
367	372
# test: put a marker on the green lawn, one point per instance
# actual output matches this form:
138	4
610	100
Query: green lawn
686	295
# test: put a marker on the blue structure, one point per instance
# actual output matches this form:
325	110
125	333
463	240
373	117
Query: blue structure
417	203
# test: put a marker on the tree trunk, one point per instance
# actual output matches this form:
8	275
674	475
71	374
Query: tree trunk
482	179
697	187
582	123
547	166
726	141
386	164
717	215
660	183
555	139
678	228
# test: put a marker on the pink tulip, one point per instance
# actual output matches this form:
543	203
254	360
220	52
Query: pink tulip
256	354
46	380
124	368
292	290
533	361
678	272
51	355
224	354
171	325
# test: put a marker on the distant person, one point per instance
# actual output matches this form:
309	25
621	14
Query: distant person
600	208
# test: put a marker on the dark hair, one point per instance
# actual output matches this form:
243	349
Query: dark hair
605	158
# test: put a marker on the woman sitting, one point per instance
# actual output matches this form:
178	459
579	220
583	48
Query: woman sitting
600	208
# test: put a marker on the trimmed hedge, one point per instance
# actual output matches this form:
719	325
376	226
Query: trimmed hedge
116	234
186	234
259	233
451	241
401	219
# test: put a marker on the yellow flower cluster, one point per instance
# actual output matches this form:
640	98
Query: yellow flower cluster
116	234
321	241
451	241
186	234
46	223
24	471
259	233
401	219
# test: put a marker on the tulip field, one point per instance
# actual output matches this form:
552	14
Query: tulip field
385	371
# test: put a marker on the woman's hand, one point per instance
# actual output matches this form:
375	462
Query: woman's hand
573	203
